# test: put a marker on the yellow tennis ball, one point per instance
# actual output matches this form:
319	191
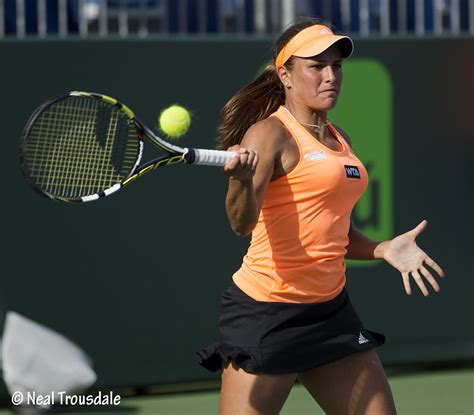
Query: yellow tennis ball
174	121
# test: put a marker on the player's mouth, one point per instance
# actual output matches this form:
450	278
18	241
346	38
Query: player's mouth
329	91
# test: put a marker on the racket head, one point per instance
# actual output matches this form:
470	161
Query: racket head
80	146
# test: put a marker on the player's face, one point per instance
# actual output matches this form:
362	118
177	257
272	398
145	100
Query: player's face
316	81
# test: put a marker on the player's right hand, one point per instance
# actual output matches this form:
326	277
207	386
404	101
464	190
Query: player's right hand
242	166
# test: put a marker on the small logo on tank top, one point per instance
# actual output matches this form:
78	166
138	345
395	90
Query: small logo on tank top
352	172
315	155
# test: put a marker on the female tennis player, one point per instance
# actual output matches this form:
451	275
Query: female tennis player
287	315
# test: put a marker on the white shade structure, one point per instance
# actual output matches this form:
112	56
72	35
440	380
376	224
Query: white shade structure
37	359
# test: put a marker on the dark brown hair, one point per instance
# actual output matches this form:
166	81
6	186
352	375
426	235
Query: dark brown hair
262	97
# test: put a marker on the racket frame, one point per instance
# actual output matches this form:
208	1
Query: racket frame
176	154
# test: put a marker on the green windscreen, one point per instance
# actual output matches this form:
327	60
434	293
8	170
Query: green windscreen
365	111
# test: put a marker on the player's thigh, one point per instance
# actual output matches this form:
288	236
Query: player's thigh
354	385
245	393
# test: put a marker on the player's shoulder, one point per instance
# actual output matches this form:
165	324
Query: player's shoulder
344	135
269	132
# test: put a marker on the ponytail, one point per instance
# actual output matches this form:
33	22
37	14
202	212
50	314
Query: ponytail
254	102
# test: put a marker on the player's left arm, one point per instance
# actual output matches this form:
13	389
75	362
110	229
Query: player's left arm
402	252
362	247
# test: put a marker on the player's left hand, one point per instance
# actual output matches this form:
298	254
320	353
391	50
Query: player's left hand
406	256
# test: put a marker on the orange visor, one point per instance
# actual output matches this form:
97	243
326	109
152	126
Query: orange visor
311	42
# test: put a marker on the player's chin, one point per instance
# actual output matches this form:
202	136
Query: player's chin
327	104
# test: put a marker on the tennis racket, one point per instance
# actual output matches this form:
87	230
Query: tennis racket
83	146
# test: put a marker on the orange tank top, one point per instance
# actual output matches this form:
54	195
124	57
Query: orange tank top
298	247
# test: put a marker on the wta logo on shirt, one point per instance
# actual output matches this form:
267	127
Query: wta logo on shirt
352	172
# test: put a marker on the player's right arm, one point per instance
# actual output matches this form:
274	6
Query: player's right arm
250	173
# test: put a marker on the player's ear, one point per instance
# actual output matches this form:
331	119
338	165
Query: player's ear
284	76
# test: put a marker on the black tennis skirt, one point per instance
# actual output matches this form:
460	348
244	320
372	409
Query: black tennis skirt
277	337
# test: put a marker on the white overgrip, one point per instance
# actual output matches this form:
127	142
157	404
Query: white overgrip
212	157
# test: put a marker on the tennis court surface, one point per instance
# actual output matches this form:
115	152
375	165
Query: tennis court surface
444	392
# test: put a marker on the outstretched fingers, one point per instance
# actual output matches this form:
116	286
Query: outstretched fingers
429	278
417	276
406	282
420	283
435	266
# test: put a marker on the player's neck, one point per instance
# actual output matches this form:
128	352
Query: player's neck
313	120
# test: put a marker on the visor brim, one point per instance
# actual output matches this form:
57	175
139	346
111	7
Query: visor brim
325	42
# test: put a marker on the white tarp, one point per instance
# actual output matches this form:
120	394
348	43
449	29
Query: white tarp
35	358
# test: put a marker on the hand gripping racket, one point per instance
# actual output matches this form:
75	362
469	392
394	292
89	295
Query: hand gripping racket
83	146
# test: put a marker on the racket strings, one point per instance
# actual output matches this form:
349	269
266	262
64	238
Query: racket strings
58	165
80	146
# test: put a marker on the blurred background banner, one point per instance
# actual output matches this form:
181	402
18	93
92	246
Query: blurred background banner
20	18
93	272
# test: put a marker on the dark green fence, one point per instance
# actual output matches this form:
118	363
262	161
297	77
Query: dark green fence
135	279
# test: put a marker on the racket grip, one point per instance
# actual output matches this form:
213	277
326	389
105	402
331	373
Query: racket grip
211	157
